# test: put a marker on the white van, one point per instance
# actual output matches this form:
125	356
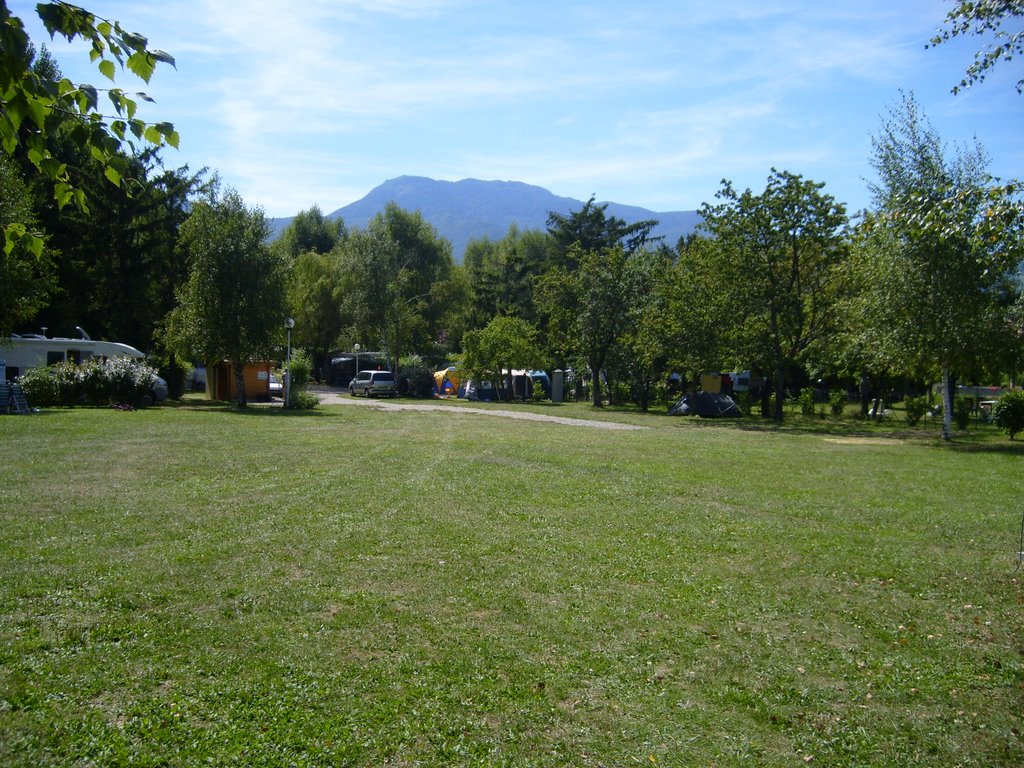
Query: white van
22	352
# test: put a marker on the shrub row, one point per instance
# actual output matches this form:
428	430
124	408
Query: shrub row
94	382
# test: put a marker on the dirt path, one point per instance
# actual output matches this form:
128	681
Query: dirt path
330	397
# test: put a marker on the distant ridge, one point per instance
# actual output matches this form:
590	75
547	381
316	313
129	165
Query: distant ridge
472	209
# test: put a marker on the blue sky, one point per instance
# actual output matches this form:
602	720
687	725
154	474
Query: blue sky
643	103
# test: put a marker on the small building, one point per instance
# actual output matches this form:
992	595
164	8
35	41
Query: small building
256	376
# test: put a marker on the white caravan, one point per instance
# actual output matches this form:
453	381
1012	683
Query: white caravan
22	352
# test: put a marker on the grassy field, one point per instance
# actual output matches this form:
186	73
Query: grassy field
189	585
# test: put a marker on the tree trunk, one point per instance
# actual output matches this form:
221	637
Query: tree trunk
947	403
780	392
865	394
240	383
596	378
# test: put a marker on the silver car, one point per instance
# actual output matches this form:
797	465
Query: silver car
371	383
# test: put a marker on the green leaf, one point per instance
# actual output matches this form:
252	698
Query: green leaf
108	69
153	136
52	167
112	175
88	99
134	41
37	110
63	194
164	57
142	64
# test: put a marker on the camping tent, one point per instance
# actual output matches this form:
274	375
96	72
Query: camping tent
708	405
446	382
482	391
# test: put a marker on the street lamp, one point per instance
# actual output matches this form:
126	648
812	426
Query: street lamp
356	348
289	323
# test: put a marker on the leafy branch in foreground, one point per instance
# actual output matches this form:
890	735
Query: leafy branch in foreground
982	18
33	105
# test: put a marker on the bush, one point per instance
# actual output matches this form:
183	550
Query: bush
300	368
416	381
1008	412
916	408
806	401
837	402
302	400
94	382
538	391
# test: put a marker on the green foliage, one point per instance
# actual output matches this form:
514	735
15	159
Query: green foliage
398	283
1008	412
310	232
506	344
316	301
94	382
302	400
837	402
418	379
985	18
780	253
806	400
232	306
26	272
591	229
501	274
916	408
938	257
538	391
34	106
300	367
588	307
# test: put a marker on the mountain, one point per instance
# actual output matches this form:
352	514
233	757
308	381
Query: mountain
471	209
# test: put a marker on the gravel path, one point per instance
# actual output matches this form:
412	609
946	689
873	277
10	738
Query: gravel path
330	397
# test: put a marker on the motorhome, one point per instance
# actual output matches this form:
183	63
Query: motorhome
22	352
19	353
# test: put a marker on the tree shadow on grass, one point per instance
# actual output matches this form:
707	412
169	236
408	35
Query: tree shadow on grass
253	409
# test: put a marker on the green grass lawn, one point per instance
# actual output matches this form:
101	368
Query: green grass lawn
189	585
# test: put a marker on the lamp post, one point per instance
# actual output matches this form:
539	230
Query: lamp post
289	323
356	348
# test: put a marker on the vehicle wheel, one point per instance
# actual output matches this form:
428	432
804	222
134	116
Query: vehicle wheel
366	392
351	392
147	400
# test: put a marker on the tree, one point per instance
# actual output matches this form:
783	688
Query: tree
316	301
646	346
117	266
587	307
25	274
506	343
310	231
592	229
397	274
33	106
501	274
984	18
779	251
233	304
943	247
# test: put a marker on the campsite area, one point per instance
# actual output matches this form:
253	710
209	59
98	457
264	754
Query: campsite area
194	584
